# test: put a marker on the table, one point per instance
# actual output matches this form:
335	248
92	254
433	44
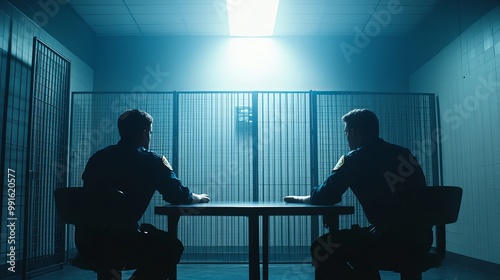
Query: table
252	210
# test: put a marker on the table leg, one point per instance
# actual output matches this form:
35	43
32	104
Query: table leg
265	247
331	221
173	221
253	247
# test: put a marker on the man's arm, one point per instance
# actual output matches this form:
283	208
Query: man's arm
170	186
175	192
331	190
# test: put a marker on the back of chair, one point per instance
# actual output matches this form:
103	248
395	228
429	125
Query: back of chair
424	207
428	206
92	209
69	205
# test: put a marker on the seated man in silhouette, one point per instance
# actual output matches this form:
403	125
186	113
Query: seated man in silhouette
374	170
129	172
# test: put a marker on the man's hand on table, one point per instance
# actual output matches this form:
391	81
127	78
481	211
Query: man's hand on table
298	199
200	198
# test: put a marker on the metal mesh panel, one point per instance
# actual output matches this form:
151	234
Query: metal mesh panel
47	163
16	80
215	157
284	157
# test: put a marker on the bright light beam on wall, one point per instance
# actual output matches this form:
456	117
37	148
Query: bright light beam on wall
252	17
253	63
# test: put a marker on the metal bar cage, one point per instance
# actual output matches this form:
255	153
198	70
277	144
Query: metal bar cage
250	146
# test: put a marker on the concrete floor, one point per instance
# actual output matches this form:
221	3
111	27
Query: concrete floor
276	272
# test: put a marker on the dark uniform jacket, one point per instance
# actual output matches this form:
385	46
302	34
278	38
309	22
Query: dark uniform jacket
373	172
120	181
136	172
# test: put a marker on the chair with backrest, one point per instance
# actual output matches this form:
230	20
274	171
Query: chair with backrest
85	208
432	206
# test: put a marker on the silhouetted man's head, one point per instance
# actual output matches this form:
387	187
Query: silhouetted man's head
135	126
360	125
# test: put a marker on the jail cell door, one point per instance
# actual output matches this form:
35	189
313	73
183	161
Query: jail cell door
47	157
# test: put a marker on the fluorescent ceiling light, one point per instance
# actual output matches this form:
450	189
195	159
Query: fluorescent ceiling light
252	17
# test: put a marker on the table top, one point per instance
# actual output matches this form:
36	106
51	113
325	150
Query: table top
247	208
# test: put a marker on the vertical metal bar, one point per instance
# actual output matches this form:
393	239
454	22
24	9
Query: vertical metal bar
255	144
175	131
314	155
69	179
28	161
61	233
437	162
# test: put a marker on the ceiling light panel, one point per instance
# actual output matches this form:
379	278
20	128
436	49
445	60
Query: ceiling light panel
252	18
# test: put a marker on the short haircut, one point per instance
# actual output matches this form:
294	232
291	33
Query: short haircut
132	123
363	120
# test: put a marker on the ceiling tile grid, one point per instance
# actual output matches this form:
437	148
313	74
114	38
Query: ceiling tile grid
209	17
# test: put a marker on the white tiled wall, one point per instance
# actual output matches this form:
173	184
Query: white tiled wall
465	75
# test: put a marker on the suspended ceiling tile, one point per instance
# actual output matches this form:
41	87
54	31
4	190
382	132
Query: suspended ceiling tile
298	19
149	2
159	19
302	2
203	18
163	29
198	8
117	29
291	29
397	19
345	19
408	2
349	9
301	9
95	2
353	2
108	19
102	10
416	10
208	29
154	9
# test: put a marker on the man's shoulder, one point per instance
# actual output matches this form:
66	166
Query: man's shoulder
105	151
397	149
154	158
148	156
375	149
380	145
348	161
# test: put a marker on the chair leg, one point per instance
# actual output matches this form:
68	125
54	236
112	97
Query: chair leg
411	275
111	274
